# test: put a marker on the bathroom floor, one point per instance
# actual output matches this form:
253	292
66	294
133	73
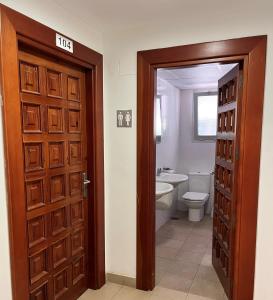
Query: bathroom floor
183	259
183	267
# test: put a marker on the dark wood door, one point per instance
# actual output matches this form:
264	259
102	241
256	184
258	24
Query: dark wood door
54	148
225	176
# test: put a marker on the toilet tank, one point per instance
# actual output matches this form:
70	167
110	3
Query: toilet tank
199	182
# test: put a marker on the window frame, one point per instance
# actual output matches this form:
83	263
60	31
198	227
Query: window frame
195	117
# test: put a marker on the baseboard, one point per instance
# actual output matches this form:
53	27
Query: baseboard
122	280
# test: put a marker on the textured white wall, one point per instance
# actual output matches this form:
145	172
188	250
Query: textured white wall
120	50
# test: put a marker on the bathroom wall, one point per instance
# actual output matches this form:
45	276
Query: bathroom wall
194	155
167	151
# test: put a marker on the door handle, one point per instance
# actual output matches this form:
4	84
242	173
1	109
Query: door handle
85	183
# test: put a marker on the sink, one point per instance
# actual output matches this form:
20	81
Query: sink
162	188
172	178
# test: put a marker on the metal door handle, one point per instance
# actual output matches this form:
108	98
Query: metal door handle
85	183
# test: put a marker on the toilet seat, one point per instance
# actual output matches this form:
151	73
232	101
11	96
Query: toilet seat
194	196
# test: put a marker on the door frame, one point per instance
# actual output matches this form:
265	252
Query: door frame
252	52
15	29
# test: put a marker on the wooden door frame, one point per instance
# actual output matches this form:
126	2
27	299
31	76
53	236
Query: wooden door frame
252	51
17	28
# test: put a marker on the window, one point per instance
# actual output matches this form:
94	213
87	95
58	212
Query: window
205	115
158	119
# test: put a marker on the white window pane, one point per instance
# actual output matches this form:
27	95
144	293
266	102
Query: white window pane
207	114
158	117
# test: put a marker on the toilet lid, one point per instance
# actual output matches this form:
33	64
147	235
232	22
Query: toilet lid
193	196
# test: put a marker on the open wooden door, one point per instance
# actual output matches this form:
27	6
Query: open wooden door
225	178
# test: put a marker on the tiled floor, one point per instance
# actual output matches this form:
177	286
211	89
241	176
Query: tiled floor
183	259
183	267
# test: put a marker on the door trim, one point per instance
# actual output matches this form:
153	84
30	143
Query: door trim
17	28
252	52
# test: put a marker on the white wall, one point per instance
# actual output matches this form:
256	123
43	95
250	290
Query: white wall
167	151
195	155
52	15
231	21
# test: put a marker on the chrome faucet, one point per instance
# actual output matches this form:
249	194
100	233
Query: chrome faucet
158	171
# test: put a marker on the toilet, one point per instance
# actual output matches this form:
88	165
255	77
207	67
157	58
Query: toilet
196	198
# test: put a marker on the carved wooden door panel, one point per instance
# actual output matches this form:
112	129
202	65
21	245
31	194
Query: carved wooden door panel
54	145
225	176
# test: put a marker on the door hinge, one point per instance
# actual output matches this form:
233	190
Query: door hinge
1	101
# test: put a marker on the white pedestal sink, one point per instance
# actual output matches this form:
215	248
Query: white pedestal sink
173	179
162	188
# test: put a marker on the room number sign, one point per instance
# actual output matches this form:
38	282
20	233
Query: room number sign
64	43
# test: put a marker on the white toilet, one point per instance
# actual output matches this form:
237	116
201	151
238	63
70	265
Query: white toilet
196	198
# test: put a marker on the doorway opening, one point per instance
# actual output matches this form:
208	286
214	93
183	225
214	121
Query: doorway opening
246	83
187	132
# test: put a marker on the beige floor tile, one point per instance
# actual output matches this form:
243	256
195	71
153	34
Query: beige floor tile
166	252
167	242
195	245
174	233
204	232
207	260
207	273
175	282
206	288
196	238
181	223
107	292
190	256
159	275
167	294
196	297
127	293
162	264
184	269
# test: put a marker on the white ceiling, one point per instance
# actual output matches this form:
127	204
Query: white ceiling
196	77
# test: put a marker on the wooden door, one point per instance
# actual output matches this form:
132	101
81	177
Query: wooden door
225	175
54	148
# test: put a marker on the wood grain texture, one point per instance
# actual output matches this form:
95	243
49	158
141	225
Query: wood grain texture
20	32
225	196
250	51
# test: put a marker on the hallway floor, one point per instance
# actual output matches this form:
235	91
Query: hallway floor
183	267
